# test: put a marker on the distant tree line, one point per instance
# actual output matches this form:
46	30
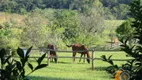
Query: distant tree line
114	9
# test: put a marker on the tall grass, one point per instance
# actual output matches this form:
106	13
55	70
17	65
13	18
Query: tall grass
65	69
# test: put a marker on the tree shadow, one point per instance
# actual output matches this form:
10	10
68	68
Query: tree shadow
82	63
47	78
98	68
65	62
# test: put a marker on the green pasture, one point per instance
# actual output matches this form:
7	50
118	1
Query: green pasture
113	23
65	69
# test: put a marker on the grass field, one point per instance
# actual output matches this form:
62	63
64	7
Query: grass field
67	70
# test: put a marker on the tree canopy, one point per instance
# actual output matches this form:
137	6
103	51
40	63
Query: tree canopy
83	6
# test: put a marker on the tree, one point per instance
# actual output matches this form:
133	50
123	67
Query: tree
125	1
90	27
34	29
109	3
9	35
132	41
121	11
132	45
8	6
70	22
125	29
92	24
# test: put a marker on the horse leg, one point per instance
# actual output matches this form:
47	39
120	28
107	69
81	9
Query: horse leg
48	58
51	57
84	58
55	58
80	57
74	54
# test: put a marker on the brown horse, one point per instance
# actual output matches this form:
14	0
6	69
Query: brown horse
52	52
80	49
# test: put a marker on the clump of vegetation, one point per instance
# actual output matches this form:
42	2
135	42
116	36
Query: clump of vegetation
132	42
12	69
111	69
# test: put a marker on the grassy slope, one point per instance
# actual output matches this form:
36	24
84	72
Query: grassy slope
66	70
111	25
7	17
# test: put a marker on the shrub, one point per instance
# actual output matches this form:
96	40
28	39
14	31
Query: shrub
132	43
15	70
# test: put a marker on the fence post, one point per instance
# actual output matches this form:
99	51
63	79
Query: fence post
10	53
93	59
48	57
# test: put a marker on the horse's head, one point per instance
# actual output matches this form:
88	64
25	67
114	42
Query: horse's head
88	60
50	46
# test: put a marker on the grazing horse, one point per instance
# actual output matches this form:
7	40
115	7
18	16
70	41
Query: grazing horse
80	49
52	52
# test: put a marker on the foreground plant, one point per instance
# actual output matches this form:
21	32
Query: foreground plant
15	70
132	42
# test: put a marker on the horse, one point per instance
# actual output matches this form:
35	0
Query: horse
52	52
82	49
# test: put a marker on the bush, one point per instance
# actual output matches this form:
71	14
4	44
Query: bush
132	43
15	70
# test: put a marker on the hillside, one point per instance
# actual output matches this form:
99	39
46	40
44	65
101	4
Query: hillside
7	17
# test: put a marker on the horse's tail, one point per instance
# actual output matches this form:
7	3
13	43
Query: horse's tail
88	57
69	45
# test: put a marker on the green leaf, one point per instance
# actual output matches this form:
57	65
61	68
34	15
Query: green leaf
104	58
15	72
41	58
111	69
111	62
28	51
18	65
116	66
41	66
30	66
23	73
23	60
109	57
138	64
2	53
20	52
6	60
